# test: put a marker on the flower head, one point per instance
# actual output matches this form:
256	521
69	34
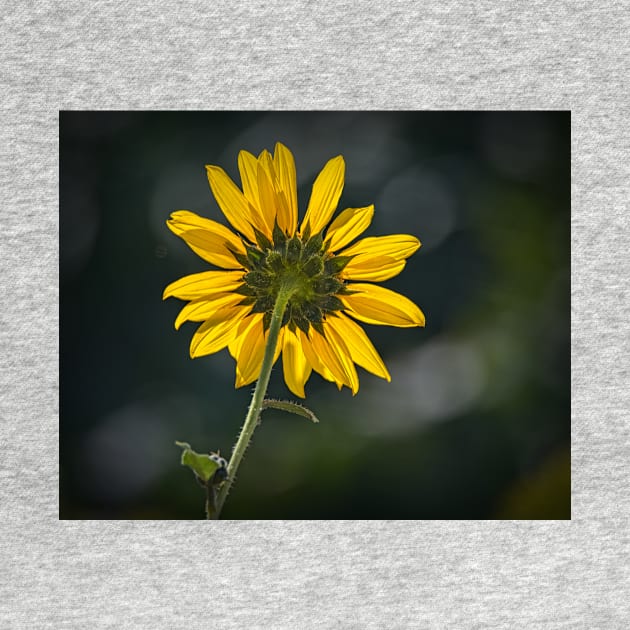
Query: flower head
329	277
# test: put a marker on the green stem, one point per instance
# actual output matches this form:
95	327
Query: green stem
255	407
210	497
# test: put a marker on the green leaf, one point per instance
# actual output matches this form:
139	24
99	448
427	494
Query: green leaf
291	407
199	463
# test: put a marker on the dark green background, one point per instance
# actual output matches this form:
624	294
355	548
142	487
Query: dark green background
476	421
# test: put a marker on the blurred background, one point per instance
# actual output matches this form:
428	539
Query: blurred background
476	421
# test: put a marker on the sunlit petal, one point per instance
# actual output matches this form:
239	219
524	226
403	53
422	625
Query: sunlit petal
338	345
208	239
398	246
362	351
325	195
203	284
266	191
248	168
203	309
313	359
376	305
231	200
285	172
250	353
295	366
350	223
211	337
373	268
335	356
242	327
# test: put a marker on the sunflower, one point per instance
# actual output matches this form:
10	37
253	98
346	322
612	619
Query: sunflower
325	279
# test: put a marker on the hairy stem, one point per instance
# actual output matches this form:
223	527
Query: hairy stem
210	502
255	407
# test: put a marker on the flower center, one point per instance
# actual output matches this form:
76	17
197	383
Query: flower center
301	263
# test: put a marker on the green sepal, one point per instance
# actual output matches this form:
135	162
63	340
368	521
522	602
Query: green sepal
263	304
313	266
294	249
327	286
313	313
285	318
298	318
274	261
279	237
262	240
313	245
199	463
306	232
257	279
302	323
246	290
243	260
345	291
255	256
336	264
290	407
330	303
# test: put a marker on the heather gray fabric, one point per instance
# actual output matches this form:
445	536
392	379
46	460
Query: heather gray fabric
271	55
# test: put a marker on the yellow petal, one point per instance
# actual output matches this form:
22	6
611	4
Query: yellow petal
398	246
248	168
295	366
347	226
251	351
361	350
313	359
235	344
232	201
279	344
211	337
209	309
278	207
208	239
266	192
376	305
248	347
325	195
340	348
335	356
284	166
373	268
203	284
